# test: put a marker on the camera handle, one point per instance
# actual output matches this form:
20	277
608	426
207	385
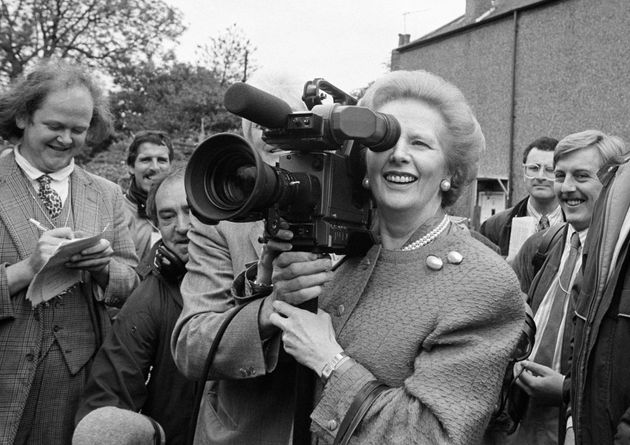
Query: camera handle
272	223
313	95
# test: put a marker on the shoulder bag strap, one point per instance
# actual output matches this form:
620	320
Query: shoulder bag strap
206	369
550	238
362	402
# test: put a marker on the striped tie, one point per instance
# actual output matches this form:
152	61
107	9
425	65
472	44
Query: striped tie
548	340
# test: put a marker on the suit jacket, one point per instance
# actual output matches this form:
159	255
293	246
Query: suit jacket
246	405
96	203
600	390
536	286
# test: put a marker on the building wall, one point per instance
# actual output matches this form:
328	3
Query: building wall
571	73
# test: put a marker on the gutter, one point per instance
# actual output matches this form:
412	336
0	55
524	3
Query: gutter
510	12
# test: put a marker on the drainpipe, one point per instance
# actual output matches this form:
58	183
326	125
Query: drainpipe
511	173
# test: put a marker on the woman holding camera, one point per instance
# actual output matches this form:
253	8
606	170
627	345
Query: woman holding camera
429	312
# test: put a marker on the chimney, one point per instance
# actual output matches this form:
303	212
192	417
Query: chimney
403	39
475	8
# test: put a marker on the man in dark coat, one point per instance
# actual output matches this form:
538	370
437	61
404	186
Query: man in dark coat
577	159
540	203
138	348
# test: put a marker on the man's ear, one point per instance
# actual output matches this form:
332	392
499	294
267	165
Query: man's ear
21	121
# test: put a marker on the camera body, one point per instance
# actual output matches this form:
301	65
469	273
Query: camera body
315	187
331	213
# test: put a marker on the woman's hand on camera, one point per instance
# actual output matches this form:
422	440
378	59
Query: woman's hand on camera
297	277
308	337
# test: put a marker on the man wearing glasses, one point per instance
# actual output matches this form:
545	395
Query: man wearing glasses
540	204
149	158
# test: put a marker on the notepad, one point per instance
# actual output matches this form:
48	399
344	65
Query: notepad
55	277
522	228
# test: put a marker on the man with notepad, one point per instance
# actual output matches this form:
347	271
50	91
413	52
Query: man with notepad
538	211
47	347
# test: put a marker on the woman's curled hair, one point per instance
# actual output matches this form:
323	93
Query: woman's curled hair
464	140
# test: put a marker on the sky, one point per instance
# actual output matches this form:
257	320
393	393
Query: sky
348	43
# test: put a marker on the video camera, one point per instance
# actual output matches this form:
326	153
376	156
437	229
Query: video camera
315	187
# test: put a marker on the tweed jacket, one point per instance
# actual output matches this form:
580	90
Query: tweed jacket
96	203
600	390
441	342
243	405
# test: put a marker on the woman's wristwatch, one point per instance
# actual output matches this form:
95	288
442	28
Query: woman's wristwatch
334	363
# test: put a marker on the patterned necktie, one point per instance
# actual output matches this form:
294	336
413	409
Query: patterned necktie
543	223
547	347
49	197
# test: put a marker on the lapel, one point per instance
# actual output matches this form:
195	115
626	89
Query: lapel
16	206
85	203
548	271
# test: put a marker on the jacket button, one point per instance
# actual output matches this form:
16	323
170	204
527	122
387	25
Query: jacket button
243	372
57	328
340	310
332	425
252	371
30	356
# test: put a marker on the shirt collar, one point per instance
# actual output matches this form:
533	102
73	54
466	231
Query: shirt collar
582	234
534	213
33	173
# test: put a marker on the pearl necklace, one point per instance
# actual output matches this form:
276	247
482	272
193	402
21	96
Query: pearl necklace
429	237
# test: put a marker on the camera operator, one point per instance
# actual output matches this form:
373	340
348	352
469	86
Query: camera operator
429	312
247	406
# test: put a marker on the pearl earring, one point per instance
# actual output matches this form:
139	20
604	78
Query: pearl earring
445	185
366	183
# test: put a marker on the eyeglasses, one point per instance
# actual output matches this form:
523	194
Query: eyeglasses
532	171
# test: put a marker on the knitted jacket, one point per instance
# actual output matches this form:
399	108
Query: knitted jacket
441	339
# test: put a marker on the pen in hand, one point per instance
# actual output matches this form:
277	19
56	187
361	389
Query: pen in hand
39	225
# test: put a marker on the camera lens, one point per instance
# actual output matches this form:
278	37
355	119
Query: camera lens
227	180
231	181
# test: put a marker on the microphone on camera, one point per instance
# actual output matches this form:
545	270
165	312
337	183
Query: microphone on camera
256	105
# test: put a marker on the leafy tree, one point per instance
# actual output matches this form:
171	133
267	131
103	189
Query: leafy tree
175	98
228	56
104	33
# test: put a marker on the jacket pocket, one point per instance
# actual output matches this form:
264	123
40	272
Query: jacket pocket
217	414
